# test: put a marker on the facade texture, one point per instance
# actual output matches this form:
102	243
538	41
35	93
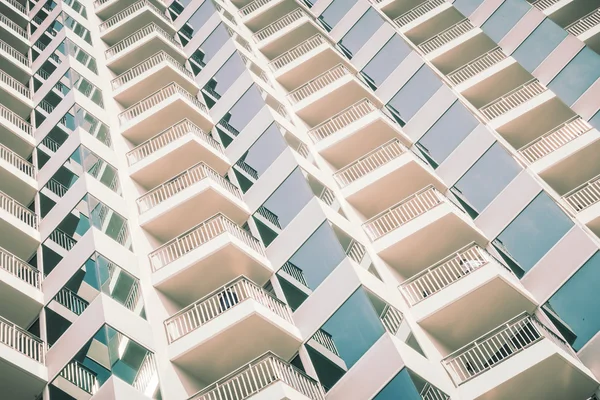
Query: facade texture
302	200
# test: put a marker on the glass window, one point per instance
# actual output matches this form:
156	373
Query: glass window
211	46
196	21
447	133
244	110
487	177
577	305
264	151
579	74
533	232
539	44
505	18
414	94
385	61
466	7
335	12
361	32
225	76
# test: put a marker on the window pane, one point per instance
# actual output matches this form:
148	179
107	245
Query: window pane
401	386
386	61
265	150
577	76
335	12
289	198
539	226
488	177
415	93
466	7
540	43
245	109
505	18
361	32
196	21
211	45
225	76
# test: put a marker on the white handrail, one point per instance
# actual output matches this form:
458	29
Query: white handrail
121	15
476	66
17	161
278	25
297	51
137	36
14	119
430	392
391	319
544	4
146	65
446	36
62	239
14	53
17	5
417	12
585	195
22	341
20	269
513	99
252	6
324	339
584	23
71	301
81	376
17	210
318	83
146	373
15	84
341	120
12	25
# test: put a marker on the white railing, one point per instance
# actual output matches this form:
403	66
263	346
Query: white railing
50	144
71	301
341	120
213	305
56	187
183	181
585	195
356	251
252	6
16	120
17	210
62	239
443	274
18	30
17	5
17	161
513	99
295	272
269	216
544	4
297	51
20	269
147	374
14	53
417	12
278	25
167	136
318	83
133	297
446	36
257	375
81	376
146	65
197	236
391	319
139	35
156	98
324	339
554	139
22	341
430	392
369	162
129	11
478	65
403	212
585	23
496	346
15	84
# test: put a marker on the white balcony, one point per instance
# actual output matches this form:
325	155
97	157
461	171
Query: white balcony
187	199
586	27
208	256
14	62
479	69
240	319
585	202
15	95
448	38
260	377
105	9
15	132
420	230
258	14
16	11
19	226
172	151
284	33
13	34
17	176
520	356
421	13
160	110
77	381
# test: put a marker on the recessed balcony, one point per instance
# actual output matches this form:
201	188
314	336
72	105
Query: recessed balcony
14	10
15	95
17	176
519	356
241	320
420	13
585	202
15	132
207	256
19	226
14	62
172	151
160	110
13	34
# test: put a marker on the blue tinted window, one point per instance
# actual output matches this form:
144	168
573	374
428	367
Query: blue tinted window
196	21
577	76
505	18
540	43
244	110
414	94
213	43
386	60
466	7
335	12
265	150
400	387
225	76
361	32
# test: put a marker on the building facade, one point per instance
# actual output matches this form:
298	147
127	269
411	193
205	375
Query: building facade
299	199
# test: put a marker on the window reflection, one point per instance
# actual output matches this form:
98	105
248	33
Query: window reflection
361	32
414	94
385	61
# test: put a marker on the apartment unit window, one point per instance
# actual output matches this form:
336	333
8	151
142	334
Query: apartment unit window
579	74
494	170
243	111
447	133
406	385
533	232
505	18
539	44
196	21
574	307
224	78
466	7
335	12
361	32
207	50
385	61
414	94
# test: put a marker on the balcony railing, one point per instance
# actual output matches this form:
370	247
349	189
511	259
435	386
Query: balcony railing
14	53
132	9
403	212
446	36
147	374
168	136
295	272
20	269
257	375
324	339
16	120
13	26
15	84
391	319
62	239
278	25
197	236
585	23
544	4
269	216
513	99
477	66
145	66
139	35
369	162
341	120
496	346
22	341
134	296
17	5
585	195
17	161
417	12
318	83
210	307
56	187
241	164
172	89
430	392
183	181
252	6
555	139
443	274
81	376
71	301
297	51
356	251
17	210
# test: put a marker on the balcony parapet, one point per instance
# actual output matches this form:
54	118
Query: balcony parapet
81	376
146	65
585	23
14	53
477	66
544	4
513	99
446	36
20	269
17	121
15	84
19	211
17	6
585	195
252	7
139	35
14	27
417	12
17	161
278	25
318	83
129	11
22	341
71	301
297	51
341	120
147	374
